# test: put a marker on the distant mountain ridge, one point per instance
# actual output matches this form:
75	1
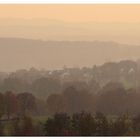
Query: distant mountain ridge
17	53
10	41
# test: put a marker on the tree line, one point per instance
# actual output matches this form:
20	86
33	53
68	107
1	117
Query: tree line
44	82
16	105
77	124
85	124
111	99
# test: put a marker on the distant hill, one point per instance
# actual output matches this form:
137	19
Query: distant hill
17	53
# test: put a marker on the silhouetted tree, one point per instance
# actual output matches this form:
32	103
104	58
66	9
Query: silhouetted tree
26	127
102	124
58	126
136	123
121	126
83	124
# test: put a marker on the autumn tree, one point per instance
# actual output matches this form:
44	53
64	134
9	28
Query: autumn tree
10	102
26	102
2	104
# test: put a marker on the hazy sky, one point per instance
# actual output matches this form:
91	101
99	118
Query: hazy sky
74	13
120	23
